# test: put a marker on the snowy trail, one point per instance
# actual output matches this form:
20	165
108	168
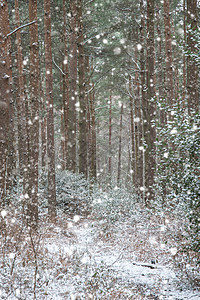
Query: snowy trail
160	280
82	263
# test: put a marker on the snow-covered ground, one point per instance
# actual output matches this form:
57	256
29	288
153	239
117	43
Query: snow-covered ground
84	258
112	268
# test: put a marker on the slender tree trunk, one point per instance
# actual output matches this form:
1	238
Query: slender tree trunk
66	91
43	128
11	155
83	166
63	164
23	144
162	111
110	139
50	116
143	92
184	57
137	127
168	52
71	157
88	114
149	129
93	171
192	69
34	119
133	162
4	97
120	146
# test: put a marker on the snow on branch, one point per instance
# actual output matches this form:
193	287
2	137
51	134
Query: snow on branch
18	28
63	73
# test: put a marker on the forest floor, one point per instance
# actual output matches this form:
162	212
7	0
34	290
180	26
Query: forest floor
85	258
121	261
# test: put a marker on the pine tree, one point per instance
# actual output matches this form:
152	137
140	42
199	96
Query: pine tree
192	69
149	128
34	116
71	157
50	116
83	165
4	97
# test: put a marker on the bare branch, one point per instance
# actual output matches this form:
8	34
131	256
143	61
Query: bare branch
18	28
58	67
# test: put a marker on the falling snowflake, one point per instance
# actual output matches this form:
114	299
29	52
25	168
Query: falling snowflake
76	218
166	155
139	47
173	131
173	251
4	213
117	51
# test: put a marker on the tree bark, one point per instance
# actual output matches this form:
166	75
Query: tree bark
137	127
34	117
168	52
83	166
22	134
4	97
43	128
93	167
143	91
11	155
110	139
184	57
149	128
132	108
192	69
50	115
66	90
120	146
71	157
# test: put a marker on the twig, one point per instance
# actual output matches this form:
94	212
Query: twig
144	265
36	263
18	28
58	67
116	260
93	87
13	265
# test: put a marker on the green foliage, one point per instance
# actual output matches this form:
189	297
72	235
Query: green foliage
73	193
115	204
178	177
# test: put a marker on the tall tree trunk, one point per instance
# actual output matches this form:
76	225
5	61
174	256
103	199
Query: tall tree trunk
43	128
162	111
88	113
184	57
120	145
132	129
83	166
91	121
93	171
71	157
110	139
50	116
62	155
66	91
137	127
11	155
143	92
168	52
34	120
4	97
149	129
22	144
192	69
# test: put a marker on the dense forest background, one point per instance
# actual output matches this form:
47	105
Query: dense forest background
106	89
100	95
